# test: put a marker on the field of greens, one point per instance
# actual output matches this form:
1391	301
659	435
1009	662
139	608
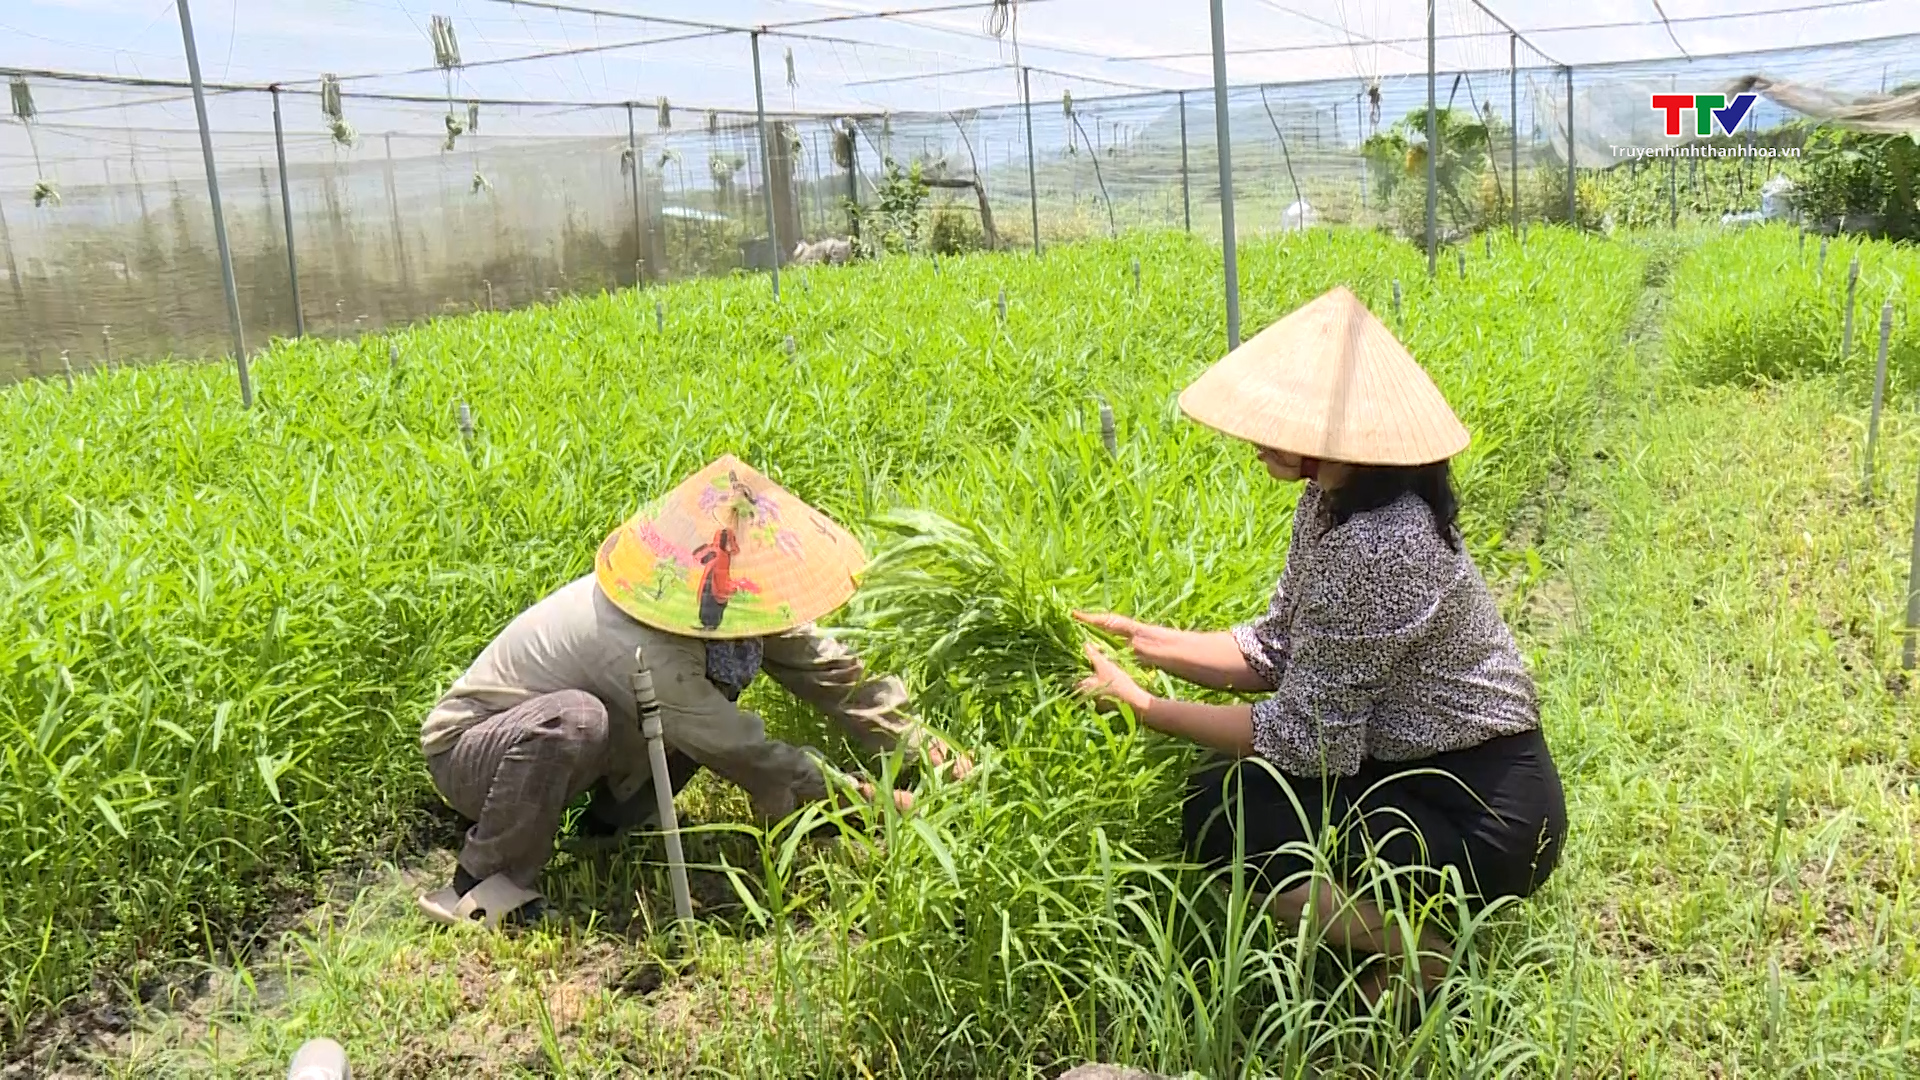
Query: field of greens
224	626
1770	304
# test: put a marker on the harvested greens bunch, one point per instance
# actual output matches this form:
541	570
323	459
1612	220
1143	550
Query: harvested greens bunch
959	616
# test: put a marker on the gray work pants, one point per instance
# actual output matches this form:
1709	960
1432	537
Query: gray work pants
514	773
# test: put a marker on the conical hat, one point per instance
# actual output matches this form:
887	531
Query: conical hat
1328	382
728	554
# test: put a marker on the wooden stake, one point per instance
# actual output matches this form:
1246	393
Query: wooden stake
1846	332
1879	395
1107	437
466	422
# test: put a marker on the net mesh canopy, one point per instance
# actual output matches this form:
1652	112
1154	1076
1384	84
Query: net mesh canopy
445	157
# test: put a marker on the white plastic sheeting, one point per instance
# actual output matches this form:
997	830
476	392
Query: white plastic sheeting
544	194
936	60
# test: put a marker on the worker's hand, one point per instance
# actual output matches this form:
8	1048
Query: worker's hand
1152	646
902	800
945	758
1108	686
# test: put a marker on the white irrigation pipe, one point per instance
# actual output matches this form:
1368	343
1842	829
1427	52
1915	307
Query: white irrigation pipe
649	706
319	1059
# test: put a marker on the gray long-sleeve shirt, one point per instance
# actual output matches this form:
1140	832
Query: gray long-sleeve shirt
577	639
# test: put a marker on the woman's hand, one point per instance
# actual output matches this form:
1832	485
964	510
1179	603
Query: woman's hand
902	800
1155	647
1108	686
1212	660
944	758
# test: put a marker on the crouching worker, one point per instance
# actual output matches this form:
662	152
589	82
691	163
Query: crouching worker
716	582
1397	711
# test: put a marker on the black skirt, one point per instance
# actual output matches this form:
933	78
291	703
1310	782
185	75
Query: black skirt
1495	813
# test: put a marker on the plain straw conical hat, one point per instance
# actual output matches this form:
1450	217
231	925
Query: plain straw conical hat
1329	382
728	554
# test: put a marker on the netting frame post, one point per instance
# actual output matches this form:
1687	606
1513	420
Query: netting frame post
1433	145
1186	185
639	236
286	215
1573	197
1673	193
1360	133
1513	126
19	291
393	215
213	196
1033	182
1223	125
766	158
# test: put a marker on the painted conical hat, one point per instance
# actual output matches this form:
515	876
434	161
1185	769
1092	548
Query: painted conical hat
1328	382
728	554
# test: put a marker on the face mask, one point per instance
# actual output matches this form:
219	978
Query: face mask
731	665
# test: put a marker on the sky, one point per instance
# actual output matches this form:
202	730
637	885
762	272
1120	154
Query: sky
1087	47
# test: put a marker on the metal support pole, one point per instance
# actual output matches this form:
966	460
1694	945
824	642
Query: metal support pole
1673	193
393	216
1433	147
20	292
1846	332
651	730
1360	133
766	160
1749	163
639	235
1573	203
1513	132
1223	135
1033	184
1186	187
286	212
219	218
1879	395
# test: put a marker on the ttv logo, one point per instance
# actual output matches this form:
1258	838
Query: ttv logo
1706	109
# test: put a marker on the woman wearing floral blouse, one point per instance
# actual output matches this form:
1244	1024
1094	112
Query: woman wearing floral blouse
1398	703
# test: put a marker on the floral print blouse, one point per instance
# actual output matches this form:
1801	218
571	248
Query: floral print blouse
1381	642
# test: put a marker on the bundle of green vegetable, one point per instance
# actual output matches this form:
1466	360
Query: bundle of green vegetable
948	606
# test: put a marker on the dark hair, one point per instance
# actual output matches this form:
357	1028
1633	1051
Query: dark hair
1371	487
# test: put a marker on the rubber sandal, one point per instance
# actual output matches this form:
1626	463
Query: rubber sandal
488	903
